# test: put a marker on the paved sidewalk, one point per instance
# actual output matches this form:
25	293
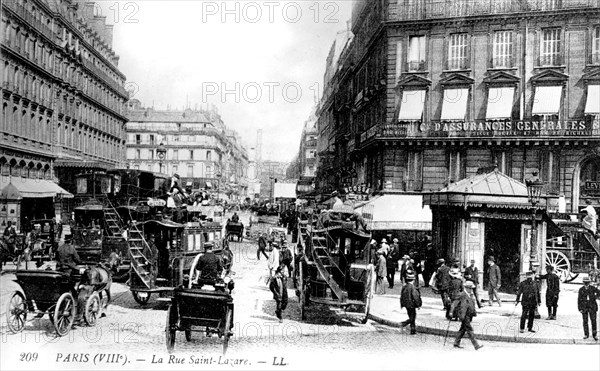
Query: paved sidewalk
492	323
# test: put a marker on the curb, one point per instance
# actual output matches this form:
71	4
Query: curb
500	338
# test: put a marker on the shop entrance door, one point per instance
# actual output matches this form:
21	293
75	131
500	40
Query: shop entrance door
502	241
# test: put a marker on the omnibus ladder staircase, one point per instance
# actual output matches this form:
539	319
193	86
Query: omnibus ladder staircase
113	221
593	242
323	261
139	250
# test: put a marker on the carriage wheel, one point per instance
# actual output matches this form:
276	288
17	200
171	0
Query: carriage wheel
93	309
64	314
302	291
227	328
369	289
561	264
141	298
105	299
188	335
170	330
16	312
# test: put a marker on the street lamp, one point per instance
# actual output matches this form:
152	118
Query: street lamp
534	193
218	175
161	153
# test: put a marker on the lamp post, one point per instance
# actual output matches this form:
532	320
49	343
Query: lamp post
161	153
218	175
534	193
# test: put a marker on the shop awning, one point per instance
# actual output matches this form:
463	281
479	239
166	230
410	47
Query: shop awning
546	100
412	104
399	212
593	100
16	188
500	102
284	190
455	104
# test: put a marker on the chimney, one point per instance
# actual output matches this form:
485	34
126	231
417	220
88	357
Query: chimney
108	34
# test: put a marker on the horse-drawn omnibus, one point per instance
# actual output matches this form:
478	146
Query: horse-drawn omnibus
161	251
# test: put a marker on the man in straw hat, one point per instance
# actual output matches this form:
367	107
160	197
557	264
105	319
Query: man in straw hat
466	312
410	298
529	292
588	307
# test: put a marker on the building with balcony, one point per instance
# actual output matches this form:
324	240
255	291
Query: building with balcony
198	146
305	161
62	91
428	93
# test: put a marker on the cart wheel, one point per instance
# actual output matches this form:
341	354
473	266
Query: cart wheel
303	293
93	309
369	289
64	314
16	312
561	265
141	298
188	335
170	331
227	328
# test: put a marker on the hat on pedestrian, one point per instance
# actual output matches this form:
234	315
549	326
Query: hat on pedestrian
395	240
586	279
491	259
383	240
373	242
176	176
469	285
208	246
440	261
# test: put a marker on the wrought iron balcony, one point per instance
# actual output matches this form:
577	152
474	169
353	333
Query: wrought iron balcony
551	60
459	64
416	66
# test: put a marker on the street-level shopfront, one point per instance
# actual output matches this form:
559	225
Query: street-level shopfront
489	214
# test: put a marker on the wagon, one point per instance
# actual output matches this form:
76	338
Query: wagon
201	306
234	229
53	293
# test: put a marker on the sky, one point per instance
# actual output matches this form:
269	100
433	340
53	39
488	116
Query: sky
261	63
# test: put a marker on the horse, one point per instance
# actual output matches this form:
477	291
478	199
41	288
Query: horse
98	279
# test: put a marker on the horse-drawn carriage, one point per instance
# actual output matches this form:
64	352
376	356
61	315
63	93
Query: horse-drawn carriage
234	229
203	306
333	267
55	293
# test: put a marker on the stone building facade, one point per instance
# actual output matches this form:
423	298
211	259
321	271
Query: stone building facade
198	146
427	92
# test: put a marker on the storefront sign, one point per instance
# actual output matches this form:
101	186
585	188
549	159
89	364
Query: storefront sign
592	186
499	215
490	129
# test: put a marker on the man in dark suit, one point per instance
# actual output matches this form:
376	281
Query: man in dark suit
529	292
494	281
209	265
466	312
552	291
472	275
410	298
442	282
588	307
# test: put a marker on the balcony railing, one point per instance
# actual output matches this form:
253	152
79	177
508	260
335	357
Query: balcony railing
502	62
458	64
431	9
551	60
415	66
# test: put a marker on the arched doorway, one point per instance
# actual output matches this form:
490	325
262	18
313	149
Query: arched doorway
589	182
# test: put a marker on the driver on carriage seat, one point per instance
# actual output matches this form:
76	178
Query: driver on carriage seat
235	218
209	265
67	257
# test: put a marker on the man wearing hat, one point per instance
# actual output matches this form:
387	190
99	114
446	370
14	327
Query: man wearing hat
455	290
472	275
466	312
392	262
381	272
442	283
385	248
278	280
529	292
410	298
209	265
67	257
588	307
494	281
552	291
406	267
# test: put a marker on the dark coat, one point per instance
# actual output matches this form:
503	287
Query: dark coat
456	287
210	266
530	292
443	277
495	276
410	297
553	283
67	257
587	299
466	307
472	274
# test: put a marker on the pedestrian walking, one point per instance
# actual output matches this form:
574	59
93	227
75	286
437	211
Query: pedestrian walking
392	263
442	282
406	266
466	312
454	292
410	298
494	281
588	307
278	281
381	271
552	291
472	275
530	294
